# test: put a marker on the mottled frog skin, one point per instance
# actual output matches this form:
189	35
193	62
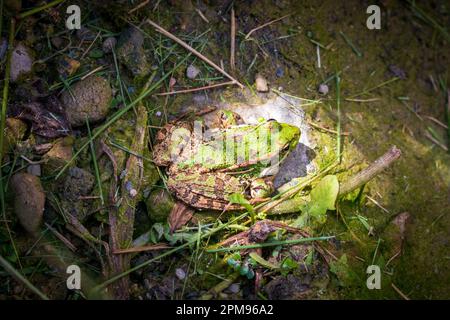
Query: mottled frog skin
205	166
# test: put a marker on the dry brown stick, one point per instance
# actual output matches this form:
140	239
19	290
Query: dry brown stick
151	247
448	116
140	5
439	123
90	73
264	25
435	141
195	89
195	52
90	46
62	238
371	171
233	40
362	100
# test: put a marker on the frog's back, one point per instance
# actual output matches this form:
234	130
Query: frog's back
206	191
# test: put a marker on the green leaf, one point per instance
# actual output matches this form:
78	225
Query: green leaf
156	232
238	198
96	53
263	261
323	198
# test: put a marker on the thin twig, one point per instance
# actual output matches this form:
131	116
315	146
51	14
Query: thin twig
95	163
16	274
404	296
90	46
338	125
233	40
196	89
264	25
434	140
350	44
2	129
202	15
315	125
375	202
319	64
151	247
362	100
138	6
116	116
39	9
439	123
61	237
376	87
91	72
192	50
448	117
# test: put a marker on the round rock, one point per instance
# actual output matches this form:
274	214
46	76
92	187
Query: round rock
89	98
29	200
261	83
21	62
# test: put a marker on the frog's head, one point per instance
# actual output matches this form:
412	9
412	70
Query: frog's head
228	118
287	138
169	142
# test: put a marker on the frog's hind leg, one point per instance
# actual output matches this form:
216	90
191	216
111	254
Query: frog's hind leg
201	202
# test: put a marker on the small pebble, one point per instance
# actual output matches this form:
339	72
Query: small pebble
85	34
172	82
57	42
261	84
323	89
29	200
279	72
34	169
234	288
180	273
21	62
109	44
133	193
192	72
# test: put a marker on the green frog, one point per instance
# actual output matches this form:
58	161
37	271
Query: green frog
205	166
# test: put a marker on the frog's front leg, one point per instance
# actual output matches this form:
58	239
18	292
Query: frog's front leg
228	119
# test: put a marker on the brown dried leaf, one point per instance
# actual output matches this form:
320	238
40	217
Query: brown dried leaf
179	216
47	119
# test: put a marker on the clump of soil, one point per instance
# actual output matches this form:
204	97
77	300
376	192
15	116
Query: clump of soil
29	200
88	99
130	51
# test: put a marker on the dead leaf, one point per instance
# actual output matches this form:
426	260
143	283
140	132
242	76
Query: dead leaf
179	216
47	119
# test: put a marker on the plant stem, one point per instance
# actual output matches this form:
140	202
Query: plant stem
94	160
16	274
270	244
38	9
350	44
364	176
338	128
376	87
168	253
